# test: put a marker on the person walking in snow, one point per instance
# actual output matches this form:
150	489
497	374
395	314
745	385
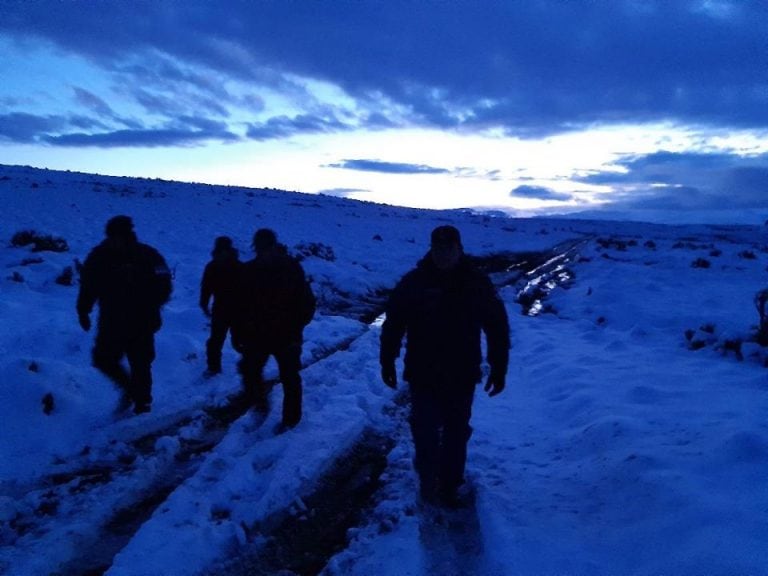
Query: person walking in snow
219	282
130	281
442	306
274	304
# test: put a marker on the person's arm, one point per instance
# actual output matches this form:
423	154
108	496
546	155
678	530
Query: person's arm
88	293
392	332
206	289
162	279
496	327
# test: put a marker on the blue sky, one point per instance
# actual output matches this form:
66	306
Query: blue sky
646	107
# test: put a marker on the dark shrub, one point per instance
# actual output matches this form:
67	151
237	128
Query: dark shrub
29	261
40	242
48	404
734	346
66	276
316	249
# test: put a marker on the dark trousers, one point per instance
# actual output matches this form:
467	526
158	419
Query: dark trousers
440	414
220	325
288	359
108	352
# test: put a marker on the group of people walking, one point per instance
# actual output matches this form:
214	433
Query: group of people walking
264	303
441	308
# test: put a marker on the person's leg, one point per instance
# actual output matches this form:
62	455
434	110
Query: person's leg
141	354
425	430
456	411
107	355
289	363
215	343
251	367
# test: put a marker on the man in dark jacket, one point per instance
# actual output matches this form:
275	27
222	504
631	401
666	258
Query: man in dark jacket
443	305
131	282
220	278
275	303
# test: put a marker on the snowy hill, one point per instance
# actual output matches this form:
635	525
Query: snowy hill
632	437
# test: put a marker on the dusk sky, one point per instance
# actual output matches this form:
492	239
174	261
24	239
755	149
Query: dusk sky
652	108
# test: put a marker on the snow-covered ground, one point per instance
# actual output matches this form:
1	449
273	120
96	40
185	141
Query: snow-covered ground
629	439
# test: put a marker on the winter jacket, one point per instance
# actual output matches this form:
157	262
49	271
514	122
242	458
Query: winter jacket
130	284
443	314
274	301
220	278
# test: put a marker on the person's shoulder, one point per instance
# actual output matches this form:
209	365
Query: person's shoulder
414	277
100	248
248	264
250	268
287	260
224	264
149	256
148	250
414	273
98	253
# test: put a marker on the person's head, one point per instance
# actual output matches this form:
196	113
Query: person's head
264	240
445	248
222	245
119	230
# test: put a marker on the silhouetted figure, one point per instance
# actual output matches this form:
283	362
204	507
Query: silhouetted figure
275	303
131	282
219	282
443	305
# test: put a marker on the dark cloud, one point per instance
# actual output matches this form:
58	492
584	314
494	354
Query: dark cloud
285	126
388	167
170	105
59	131
100	126
663	198
89	123
162	86
25	128
530	67
138	138
540	193
186	131
92	102
749	183
688	181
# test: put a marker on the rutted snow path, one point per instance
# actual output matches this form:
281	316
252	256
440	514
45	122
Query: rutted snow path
96	500
252	474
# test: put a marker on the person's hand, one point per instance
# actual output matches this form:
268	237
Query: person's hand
85	321
495	384
389	374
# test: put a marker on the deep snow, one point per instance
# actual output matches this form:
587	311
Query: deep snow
616	449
